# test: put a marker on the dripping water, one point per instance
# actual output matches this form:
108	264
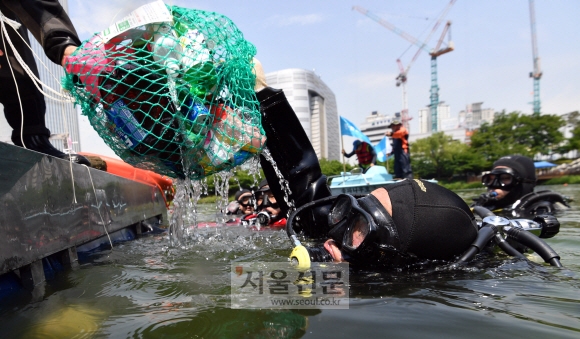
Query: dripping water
284	184
222	187
253	167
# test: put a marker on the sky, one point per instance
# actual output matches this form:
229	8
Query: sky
356	56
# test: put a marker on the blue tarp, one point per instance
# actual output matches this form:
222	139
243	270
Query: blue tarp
543	164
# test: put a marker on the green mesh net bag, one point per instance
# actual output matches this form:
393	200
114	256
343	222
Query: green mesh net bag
174	95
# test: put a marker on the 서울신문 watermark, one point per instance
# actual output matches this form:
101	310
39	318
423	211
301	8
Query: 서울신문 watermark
279	285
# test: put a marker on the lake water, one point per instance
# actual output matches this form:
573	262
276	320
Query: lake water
145	289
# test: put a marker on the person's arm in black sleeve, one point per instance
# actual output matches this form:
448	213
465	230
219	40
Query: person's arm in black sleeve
348	155
295	159
49	24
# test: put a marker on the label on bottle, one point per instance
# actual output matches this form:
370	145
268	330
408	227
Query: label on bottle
149	13
200	118
241	156
126	126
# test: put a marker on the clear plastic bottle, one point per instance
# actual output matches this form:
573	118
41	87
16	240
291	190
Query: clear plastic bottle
167	51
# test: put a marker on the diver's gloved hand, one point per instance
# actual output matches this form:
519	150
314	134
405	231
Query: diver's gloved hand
484	199
294	156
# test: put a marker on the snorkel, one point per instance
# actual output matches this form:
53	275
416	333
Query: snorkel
301	256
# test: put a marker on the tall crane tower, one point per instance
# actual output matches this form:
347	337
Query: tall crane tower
537	73
402	78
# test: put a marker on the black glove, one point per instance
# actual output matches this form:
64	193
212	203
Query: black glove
294	156
484	199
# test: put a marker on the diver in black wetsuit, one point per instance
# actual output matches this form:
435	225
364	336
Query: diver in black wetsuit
511	185
396	226
411	219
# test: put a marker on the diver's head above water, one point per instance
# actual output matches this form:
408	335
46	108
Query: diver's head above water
266	200
512	177
409	220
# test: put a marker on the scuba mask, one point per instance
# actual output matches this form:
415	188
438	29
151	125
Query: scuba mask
266	202
359	227
503	178
247	201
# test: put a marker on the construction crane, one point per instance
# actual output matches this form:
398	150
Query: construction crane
537	73
402	77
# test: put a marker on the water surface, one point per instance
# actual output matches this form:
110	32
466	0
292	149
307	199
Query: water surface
147	289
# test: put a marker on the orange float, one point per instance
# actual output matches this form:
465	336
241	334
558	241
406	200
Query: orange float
123	169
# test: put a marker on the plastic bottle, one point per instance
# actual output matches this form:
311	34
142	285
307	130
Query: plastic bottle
192	41
217	152
236	131
196	61
197	119
167	51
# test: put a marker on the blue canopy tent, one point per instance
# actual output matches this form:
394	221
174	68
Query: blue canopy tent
543	164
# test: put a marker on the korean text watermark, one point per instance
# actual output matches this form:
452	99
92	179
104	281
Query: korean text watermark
279	285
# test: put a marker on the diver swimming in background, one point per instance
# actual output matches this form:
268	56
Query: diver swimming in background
510	192
395	226
243	203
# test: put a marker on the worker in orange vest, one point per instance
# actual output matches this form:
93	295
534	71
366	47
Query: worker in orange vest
400	144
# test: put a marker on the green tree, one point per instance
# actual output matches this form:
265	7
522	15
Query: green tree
241	179
333	167
440	156
465	161
431	156
516	133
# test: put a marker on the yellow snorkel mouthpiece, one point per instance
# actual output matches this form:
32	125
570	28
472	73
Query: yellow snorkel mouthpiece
300	258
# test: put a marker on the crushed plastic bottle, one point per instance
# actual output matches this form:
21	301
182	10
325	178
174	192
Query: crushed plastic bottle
167	51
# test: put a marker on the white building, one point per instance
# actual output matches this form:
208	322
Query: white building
474	116
315	105
61	118
376	125
444	120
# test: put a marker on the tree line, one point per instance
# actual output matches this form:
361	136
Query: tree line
441	157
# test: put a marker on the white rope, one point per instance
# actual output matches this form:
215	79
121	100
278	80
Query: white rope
98	207
12	23
37	82
15	25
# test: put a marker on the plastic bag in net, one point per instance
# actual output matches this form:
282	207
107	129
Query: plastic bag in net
173	96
